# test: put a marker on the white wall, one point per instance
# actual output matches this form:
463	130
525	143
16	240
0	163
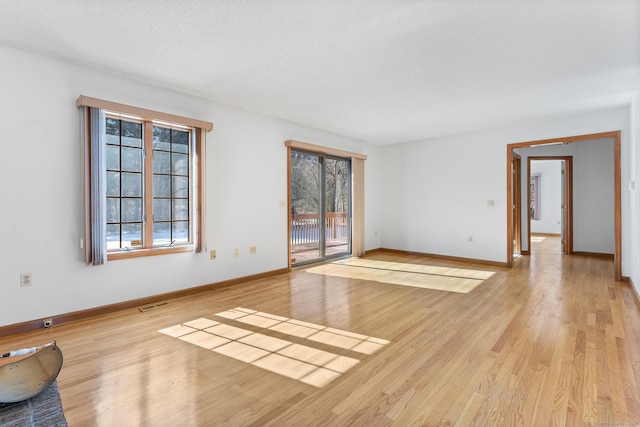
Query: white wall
435	191
550	193
435	197
41	168
593	186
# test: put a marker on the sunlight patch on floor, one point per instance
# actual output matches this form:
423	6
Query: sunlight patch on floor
537	239
461	280
304	363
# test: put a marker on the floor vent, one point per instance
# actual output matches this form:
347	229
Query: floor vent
153	307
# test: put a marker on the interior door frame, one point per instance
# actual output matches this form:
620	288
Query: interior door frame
567	212
516	211
617	196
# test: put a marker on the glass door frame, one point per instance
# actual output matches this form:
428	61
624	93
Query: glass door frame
349	210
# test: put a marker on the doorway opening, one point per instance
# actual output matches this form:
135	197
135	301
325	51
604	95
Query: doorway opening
550	204
320	207
516	191
617	197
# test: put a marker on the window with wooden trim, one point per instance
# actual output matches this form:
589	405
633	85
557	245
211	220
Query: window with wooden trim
143	181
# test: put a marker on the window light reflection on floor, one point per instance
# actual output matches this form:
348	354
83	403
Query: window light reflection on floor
304	363
450	279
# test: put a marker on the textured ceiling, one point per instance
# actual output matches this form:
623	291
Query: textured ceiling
384	71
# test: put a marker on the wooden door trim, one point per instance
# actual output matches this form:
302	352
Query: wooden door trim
516	204
617	176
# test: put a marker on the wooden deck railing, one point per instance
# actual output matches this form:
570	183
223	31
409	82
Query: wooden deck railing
305	228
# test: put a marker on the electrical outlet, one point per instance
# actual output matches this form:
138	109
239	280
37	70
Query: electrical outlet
252	250
25	279
47	323
236	252
212	254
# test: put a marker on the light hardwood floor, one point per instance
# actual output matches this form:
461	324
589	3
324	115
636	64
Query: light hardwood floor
553	341
545	244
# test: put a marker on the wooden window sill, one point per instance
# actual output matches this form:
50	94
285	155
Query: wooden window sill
136	253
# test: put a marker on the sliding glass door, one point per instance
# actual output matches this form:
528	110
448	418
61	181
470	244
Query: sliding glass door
320	217
337	206
305	192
